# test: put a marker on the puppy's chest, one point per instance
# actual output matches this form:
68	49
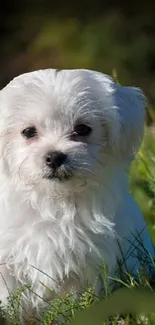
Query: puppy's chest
58	261
46	252
55	250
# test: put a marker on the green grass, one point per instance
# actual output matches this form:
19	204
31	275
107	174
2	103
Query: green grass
142	180
125	306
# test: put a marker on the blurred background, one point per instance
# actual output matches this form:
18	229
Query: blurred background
102	35
115	37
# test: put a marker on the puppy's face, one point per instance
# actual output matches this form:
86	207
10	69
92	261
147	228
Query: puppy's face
62	128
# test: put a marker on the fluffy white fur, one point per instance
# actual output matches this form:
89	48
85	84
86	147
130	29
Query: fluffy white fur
52	231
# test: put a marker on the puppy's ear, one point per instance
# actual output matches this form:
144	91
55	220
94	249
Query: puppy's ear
130	104
124	115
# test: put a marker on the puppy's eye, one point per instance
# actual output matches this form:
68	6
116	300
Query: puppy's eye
29	132
82	130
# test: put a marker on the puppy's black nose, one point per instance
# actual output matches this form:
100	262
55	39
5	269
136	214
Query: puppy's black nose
55	159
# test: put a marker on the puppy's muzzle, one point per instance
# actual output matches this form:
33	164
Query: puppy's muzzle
58	168
55	159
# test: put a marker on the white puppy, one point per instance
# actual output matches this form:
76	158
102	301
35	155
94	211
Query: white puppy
67	140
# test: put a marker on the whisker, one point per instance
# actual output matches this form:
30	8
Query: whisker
19	170
89	170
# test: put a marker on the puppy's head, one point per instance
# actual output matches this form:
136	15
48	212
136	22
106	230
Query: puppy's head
63	128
